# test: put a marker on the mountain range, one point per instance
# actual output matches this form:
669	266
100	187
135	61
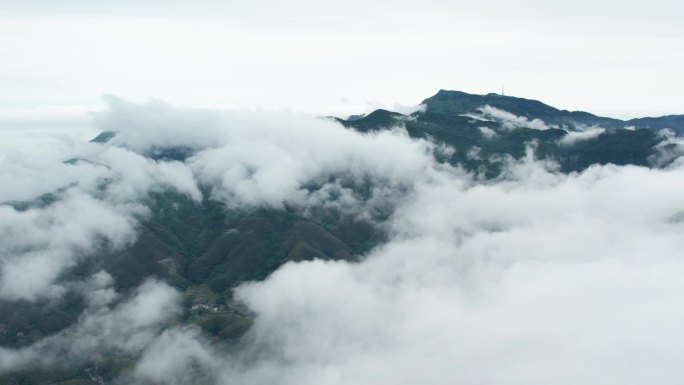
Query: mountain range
205	249
481	128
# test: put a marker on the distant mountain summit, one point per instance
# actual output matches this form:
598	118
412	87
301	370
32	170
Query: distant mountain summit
457	102
673	122
484	128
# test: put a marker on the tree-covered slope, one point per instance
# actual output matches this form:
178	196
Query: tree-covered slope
481	135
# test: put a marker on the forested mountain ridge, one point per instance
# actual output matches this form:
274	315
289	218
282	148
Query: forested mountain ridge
481	128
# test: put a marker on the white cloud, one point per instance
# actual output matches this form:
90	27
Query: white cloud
264	157
511	121
129	327
98	290
477	117
95	206
587	133
179	356
474	153
487	132
158	124
517	282
669	150
38	244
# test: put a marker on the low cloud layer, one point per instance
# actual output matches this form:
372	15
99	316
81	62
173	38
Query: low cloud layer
543	278
94	205
669	150
535	277
587	133
38	244
510	121
127	327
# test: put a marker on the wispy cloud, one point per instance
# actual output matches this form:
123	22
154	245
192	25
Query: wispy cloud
511	121
586	133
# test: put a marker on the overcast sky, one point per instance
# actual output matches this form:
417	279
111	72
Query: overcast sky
616	58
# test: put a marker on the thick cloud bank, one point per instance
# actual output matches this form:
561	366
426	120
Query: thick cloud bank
539	279
535	277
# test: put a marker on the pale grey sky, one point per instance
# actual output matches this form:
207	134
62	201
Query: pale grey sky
615	58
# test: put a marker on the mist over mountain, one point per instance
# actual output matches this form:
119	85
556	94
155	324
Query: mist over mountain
480	239
482	128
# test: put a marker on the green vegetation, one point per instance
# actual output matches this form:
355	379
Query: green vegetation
200	294
106	368
191	244
456	102
224	326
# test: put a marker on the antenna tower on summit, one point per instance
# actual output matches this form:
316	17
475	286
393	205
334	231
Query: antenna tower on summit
502	91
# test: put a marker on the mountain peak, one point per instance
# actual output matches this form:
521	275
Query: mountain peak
459	102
